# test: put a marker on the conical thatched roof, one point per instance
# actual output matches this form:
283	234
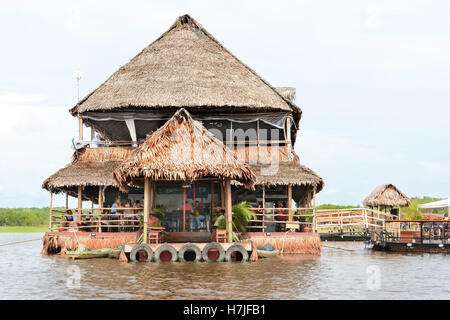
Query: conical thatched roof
186	67
386	195
182	149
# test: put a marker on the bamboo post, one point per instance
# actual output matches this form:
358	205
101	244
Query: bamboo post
264	204
228	211
212	204
289	191
100	205
50	226
80	204
147	203
314	210
67	200
184	209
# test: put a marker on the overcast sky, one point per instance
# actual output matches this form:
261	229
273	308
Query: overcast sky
372	79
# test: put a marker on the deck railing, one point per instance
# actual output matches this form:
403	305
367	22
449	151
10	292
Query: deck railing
280	217
351	220
96	219
415	231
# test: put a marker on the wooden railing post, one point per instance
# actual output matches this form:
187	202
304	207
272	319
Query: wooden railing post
50	227
228	211
314	211
100	206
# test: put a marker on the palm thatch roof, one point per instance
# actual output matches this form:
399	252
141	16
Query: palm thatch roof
186	67
287	172
182	149
386	195
89	168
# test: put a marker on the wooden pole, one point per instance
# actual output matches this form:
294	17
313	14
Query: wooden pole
263	204
100	205
51	212
67	200
228	211
80	128
80	203
147	203
212	204
289	190
184	209
314	210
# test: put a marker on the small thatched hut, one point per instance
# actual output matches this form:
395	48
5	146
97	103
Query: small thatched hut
387	196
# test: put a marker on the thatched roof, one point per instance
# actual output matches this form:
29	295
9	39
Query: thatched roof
182	149
186	67
386	195
287	172
89	167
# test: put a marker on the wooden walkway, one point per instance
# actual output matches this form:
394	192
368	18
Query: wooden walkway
350	221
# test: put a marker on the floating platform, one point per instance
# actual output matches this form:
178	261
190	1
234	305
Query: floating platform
437	247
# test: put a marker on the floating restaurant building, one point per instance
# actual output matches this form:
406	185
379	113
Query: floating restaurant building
184	129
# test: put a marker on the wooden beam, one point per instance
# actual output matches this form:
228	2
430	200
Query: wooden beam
314	210
228	211
100	205
51	212
263	204
289	194
80	203
147	203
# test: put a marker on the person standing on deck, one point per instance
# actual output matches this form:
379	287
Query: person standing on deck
198	216
113	214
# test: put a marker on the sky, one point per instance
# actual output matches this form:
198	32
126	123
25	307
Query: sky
372	80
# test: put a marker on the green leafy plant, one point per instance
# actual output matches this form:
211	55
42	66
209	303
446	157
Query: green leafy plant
241	216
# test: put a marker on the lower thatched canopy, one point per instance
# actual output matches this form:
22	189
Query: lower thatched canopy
89	168
386	195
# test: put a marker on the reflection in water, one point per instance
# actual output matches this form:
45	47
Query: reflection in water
336	274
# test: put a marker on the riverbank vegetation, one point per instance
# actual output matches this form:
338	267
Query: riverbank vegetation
25	217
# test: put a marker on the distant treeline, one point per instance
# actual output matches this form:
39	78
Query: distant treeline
24	216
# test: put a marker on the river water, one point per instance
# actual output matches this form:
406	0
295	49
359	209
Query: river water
335	274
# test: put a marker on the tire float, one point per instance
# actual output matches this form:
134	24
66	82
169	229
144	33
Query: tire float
166	253
213	252
189	252
236	253
142	253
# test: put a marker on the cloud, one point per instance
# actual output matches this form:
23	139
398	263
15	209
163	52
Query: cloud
35	143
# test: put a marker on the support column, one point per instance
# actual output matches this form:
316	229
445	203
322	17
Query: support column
314	211
148	195
228	210
67	200
100	207
289	195
51	212
80	203
263	205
